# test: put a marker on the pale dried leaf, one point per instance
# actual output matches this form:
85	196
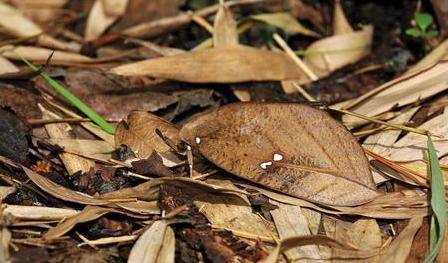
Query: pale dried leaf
39	54
155	245
7	66
292	148
399	249
72	162
340	23
286	22
6	190
399	92
93	149
102	15
413	147
139	133
225	32
5	238
233	213
331	53
290	222
42	11
115	7
89	213
365	234
218	65
437	54
37	212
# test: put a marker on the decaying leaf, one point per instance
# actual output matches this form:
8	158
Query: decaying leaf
42	54
286	22
292	148
139	133
340	24
217	65
156	245
7	66
93	149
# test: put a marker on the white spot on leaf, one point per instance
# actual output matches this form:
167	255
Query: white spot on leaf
277	157
265	165
198	140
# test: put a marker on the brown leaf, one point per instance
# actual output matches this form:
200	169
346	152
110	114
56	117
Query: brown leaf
225	32
218	65
37	212
291	148
139	133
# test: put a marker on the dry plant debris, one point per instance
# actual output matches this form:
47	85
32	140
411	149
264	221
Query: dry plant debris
189	131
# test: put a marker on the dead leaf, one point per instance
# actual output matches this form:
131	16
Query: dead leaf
156	245
340	23
89	213
225	33
92	149
292	148
7	66
42	54
23	212
401	91
286	22
102	15
233	213
5	239
331	53
399	249
6	190
41	12
291	222
72	162
139	134
217	65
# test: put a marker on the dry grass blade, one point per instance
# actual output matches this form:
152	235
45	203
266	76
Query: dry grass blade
280	146
234	64
156	245
286	22
139	133
41	55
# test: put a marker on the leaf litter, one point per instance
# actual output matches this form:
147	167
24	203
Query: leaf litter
151	160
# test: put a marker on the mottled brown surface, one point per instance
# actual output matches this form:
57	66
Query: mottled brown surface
242	138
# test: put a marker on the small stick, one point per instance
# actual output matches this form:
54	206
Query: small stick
294	57
203	23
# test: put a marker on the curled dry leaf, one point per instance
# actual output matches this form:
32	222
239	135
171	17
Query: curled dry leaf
156	245
61	192
218	65
286	22
331	53
102	15
291	148
139	133
89	213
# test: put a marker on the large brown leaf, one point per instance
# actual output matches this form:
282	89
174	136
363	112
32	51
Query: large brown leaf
292	148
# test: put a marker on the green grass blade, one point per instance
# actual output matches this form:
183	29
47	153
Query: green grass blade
95	117
438	205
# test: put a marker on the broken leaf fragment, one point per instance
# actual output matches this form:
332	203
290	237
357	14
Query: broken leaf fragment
291	148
